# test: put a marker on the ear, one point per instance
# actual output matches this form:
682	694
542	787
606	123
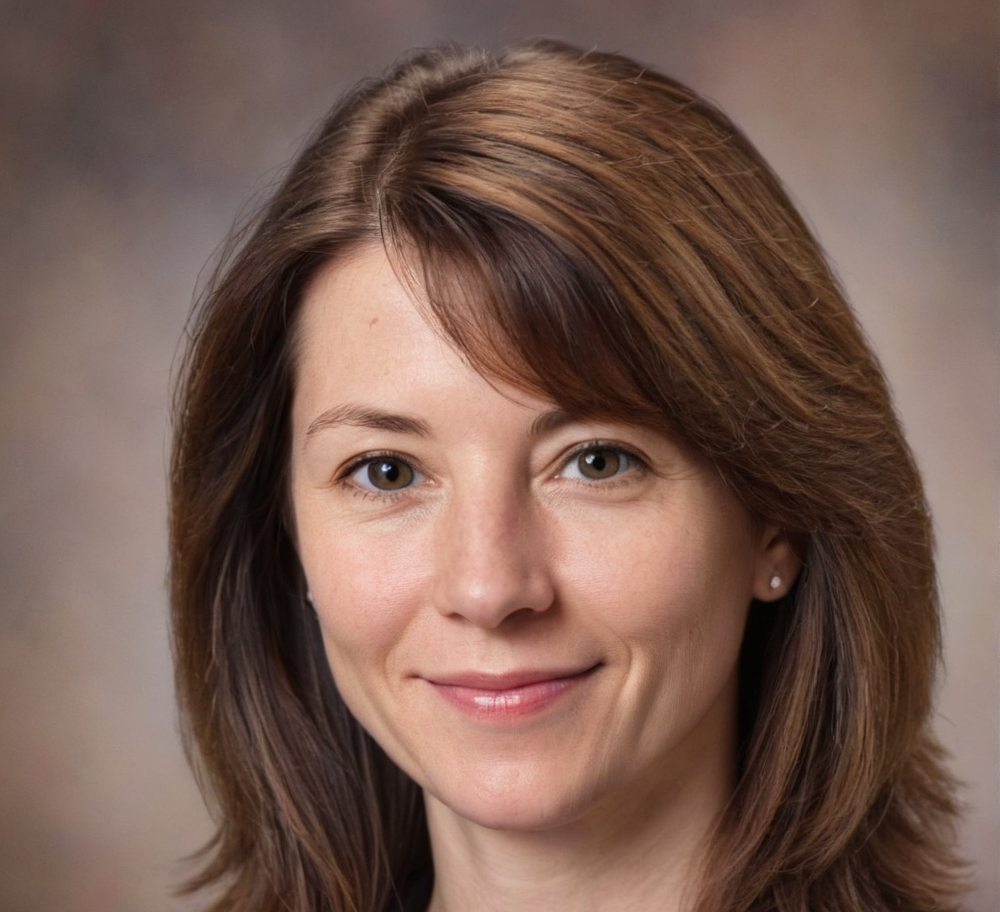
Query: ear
778	564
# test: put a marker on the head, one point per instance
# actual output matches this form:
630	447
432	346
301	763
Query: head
585	233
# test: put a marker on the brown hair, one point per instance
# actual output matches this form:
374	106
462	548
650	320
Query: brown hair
595	232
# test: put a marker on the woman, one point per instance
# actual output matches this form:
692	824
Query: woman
543	535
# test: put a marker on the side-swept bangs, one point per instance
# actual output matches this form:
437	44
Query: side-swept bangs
527	309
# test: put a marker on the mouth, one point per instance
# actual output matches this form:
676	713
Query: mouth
509	696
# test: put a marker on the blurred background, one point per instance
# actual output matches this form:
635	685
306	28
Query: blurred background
131	133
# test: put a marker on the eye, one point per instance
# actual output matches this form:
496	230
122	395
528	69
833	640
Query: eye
597	463
383	474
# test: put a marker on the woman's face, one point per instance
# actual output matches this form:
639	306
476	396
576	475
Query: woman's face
536	616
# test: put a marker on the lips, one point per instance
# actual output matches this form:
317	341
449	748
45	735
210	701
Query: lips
508	696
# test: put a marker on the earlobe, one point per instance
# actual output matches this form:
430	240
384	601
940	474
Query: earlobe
778	565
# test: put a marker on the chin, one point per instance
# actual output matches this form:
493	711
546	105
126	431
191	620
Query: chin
512	799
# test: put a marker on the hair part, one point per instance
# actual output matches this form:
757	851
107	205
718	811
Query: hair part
592	231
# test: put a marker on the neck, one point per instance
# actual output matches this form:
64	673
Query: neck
642	853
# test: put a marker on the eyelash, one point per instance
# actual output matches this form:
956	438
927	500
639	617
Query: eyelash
637	466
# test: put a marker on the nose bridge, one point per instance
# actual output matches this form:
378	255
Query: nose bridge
491	554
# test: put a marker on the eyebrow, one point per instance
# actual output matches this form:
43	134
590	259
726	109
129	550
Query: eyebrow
551	420
363	416
366	417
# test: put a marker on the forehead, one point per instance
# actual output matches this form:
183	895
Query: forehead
356	299
367	313
362	332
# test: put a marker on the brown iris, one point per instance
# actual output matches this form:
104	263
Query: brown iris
389	474
599	463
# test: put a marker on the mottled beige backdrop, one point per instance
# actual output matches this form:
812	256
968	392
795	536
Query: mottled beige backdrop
131	132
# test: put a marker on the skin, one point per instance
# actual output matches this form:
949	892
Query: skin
498	553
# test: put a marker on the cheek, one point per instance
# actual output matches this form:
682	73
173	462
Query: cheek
657	574
365	589
674	595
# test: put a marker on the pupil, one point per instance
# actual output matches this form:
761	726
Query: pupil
390	472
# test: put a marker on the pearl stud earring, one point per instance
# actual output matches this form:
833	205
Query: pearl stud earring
774	582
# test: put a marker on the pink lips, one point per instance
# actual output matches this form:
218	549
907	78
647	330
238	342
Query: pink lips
507	697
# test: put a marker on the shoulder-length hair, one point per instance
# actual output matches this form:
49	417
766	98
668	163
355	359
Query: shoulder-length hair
597	233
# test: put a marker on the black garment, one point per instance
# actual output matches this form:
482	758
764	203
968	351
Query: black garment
415	893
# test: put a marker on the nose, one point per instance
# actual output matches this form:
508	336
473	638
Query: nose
491	559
